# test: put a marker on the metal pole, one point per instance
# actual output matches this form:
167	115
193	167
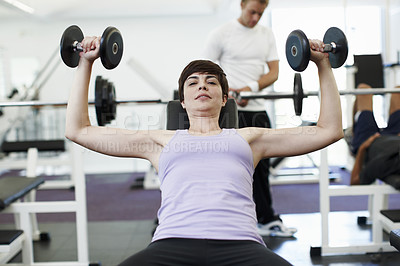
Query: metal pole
242	95
279	95
48	63
44	103
375	91
266	95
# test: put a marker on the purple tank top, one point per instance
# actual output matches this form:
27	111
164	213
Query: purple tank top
206	186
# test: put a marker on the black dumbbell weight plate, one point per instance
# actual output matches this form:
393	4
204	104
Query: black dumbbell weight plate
111	112
98	100
337	36
298	94
298	50
111	48
105	103
113	108
68	55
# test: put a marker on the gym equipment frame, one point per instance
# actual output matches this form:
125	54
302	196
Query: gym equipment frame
377	193
25	210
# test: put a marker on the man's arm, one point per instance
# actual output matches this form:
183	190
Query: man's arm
269	78
355	173
358	163
265	80
212	49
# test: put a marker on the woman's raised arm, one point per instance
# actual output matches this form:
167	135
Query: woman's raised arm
144	144
301	140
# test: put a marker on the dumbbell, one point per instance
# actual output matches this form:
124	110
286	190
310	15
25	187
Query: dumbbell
298	48
111	46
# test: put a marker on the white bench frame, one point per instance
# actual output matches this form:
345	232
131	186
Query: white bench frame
26	218
378	200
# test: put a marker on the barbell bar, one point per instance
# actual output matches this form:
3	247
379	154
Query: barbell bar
63	103
284	95
374	91
104	101
299	94
105	98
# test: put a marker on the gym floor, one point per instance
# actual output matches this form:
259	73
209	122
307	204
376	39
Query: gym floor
111	242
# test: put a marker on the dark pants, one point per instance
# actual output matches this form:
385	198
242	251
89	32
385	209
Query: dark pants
366	126
204	252
261	189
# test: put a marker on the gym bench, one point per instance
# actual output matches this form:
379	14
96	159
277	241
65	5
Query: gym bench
13	189
381	219
378	201
55	147
395	238
25	212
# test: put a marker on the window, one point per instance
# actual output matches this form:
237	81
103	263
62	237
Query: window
23	71
3	75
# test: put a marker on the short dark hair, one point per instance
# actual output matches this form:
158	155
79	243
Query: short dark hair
261	1
203	66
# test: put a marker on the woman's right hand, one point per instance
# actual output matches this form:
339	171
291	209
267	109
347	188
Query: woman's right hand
91	48
317	52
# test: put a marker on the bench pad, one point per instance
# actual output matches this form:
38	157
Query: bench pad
13	188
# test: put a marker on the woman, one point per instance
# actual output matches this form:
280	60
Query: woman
207	214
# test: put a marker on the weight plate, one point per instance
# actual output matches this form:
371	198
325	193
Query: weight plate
113	103
111	106
104	102
339	57
98	100
298	94
68	55
298	50
111	47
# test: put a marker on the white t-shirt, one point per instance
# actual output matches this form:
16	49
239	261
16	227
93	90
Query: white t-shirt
242	53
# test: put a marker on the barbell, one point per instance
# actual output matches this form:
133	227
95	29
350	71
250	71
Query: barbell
299	94
104	101
106	104
111	46
298	48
